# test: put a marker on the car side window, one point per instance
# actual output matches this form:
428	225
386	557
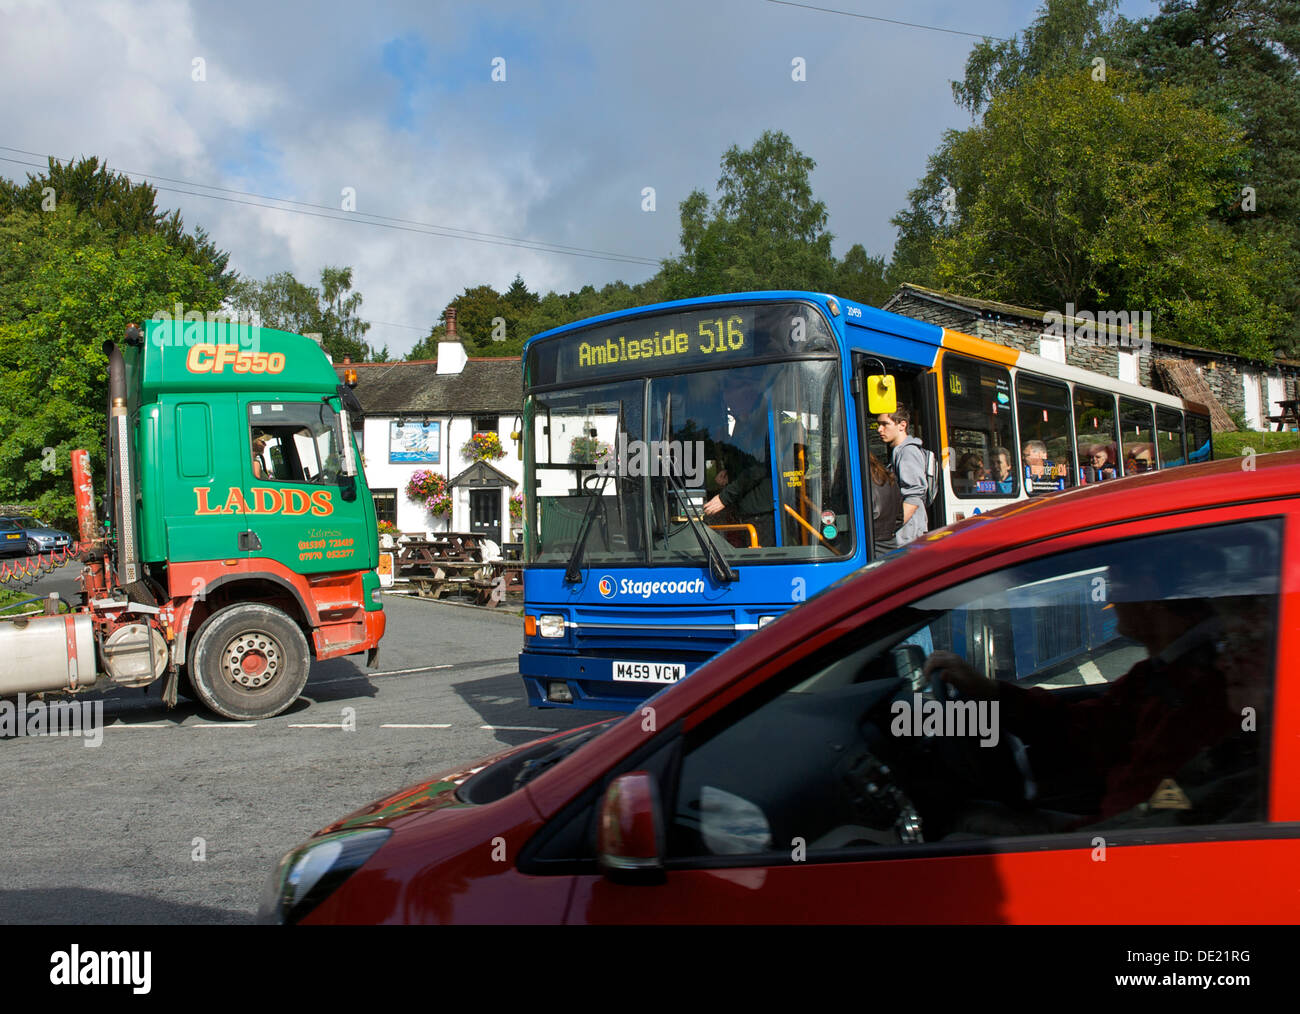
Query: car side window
1123	685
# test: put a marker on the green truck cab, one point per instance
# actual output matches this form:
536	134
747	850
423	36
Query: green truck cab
240	509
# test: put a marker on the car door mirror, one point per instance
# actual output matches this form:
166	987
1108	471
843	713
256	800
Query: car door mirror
909	663
630	837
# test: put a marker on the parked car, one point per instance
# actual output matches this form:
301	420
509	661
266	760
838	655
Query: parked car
1123	746
13	540
38	536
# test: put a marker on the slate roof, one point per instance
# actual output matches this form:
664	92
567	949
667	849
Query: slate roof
483	387
989	306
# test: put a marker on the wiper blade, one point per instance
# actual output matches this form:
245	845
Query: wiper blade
573	573
722	571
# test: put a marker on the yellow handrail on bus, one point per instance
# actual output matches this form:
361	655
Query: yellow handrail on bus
798	517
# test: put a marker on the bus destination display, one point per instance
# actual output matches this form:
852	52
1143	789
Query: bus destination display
657	343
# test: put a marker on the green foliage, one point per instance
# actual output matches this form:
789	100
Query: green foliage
766	231
1066	36
1237	61
118	207
1103	195
1231	445
75	287
283	302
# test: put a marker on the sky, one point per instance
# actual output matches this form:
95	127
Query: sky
442	144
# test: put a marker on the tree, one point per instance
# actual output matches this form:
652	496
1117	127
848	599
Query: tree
284	303
118	207
1102	194
766	231
79	288
1066	36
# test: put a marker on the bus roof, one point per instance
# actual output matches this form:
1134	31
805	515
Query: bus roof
880	332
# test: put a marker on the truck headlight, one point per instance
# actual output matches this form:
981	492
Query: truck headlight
309	874
550	625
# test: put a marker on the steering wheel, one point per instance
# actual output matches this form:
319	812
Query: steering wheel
981	766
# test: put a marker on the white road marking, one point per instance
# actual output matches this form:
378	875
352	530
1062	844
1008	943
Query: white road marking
1090	673
221	725
318	725
139	725
402	672
516	728
408	726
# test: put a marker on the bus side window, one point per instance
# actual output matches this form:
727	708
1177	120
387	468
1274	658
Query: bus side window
1043	415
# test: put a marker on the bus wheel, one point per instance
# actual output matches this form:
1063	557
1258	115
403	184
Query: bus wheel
250	661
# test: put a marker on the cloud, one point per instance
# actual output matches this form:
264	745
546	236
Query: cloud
599	101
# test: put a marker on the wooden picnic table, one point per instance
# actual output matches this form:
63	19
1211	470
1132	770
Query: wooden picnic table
453	561
483	580
1289	416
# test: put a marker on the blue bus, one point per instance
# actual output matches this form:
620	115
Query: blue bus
636	422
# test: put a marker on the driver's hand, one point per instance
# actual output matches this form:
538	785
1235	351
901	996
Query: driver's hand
713	507
954	671
721	478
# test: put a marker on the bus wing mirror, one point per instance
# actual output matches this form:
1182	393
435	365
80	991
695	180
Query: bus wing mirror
882	394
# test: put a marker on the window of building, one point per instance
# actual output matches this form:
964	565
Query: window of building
385	505
486	423
1046	448
981	434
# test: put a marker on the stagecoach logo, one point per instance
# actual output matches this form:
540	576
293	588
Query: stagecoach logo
644	589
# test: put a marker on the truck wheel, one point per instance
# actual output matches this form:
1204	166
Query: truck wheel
250	661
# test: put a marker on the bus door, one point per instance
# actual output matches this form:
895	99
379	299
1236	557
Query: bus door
915	389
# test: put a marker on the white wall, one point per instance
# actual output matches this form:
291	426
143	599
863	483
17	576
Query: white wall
411	517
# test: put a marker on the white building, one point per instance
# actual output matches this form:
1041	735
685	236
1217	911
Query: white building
420	415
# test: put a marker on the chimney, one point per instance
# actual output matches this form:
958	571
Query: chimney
451	353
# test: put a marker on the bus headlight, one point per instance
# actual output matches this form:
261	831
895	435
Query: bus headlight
550	625
309	874
763	621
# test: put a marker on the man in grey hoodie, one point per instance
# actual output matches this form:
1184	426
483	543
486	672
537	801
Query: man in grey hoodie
908	463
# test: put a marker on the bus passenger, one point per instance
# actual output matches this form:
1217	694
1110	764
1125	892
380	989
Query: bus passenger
909	465
1036	464
1098	468
1002	470
886	506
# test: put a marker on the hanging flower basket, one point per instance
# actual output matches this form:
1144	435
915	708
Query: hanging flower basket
587	450
430	490
387	528
483	447
517	506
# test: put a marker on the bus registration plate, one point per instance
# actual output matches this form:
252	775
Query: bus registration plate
649	672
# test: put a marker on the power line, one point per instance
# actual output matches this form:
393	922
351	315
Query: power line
888	21
363	218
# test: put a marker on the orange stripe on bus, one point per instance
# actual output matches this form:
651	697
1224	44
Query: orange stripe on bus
979	348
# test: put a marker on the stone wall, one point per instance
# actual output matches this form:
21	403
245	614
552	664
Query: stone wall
1224	379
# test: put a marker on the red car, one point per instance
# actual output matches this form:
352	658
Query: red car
1082	708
